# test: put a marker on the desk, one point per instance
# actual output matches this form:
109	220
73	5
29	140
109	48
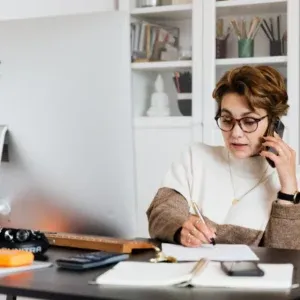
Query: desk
52	283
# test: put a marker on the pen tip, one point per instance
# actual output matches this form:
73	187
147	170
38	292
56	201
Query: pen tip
213	241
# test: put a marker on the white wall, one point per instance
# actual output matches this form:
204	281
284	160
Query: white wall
156	150
15	9
67	106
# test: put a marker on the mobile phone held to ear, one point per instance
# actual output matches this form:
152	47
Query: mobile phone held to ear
242	268
279	129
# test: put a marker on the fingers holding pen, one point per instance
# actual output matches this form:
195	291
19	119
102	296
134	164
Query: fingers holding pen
188	240
194	233
208	232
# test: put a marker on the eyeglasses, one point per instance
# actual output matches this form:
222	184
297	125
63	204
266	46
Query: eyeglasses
247	124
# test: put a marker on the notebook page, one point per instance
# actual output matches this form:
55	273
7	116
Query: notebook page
219	252
277	276
146	274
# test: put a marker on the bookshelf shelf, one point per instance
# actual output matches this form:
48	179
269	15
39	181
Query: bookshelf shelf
162	122
268	60
242	7
170	12
162	65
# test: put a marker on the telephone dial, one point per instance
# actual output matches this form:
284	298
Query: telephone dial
25	239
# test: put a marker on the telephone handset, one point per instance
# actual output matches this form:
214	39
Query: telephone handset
279	129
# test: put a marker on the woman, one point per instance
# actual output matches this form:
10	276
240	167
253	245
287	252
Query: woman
234	186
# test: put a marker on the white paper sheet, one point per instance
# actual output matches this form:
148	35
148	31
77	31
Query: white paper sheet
35	265
133	273
276	277
219	252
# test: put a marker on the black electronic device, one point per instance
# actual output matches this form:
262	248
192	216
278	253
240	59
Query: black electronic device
279	129
90	260
242	268
25	239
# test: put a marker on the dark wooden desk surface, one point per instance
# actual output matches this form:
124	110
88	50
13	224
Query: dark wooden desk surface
53	283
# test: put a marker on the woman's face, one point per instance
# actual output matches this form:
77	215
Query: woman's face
242	144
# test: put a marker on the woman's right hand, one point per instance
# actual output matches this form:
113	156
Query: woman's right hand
194	232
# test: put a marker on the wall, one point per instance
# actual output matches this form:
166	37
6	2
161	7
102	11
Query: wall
70	127
15	9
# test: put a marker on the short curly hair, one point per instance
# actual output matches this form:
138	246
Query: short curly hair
262	86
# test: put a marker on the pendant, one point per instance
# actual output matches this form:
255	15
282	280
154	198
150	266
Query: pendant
235	201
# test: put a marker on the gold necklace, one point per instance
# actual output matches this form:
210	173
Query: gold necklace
237	199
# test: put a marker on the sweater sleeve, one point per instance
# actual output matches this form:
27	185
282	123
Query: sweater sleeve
283	230
166	214
169	210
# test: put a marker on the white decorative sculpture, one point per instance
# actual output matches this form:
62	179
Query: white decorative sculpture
159	100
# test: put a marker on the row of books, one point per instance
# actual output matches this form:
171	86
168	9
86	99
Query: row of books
153	42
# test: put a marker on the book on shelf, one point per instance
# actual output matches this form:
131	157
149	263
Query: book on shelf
153	42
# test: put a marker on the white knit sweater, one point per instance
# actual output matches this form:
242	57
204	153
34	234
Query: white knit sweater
203	175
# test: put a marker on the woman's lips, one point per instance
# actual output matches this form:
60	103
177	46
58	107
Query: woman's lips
238	146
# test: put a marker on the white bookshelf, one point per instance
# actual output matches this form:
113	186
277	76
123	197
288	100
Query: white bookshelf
171	12
274	61
162	65
163	122
160	140
143	74
214	68
240	7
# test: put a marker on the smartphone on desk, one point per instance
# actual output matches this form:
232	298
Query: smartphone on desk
241	268
279	129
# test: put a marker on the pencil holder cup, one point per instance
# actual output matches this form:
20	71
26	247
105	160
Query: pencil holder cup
275	48
221	48
246	47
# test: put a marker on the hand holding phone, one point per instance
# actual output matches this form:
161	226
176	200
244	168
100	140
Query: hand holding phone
280	154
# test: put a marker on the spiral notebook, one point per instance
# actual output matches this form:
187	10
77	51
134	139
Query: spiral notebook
277	276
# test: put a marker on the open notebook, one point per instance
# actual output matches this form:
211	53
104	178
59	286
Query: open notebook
277	276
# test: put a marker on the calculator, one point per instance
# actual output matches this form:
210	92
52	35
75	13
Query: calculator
90	260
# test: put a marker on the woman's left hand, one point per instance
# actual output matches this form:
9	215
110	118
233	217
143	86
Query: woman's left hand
285	162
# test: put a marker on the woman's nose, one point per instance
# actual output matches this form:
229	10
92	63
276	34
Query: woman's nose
237	130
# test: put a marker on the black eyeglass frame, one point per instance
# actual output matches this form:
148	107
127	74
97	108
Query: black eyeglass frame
256	120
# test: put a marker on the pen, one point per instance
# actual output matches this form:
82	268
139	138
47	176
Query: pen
197	211
199	266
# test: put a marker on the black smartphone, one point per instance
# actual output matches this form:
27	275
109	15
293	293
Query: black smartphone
242	268
279	129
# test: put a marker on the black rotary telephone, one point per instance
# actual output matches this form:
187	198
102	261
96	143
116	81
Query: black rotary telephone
24	239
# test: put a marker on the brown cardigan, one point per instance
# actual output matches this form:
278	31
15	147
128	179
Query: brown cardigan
169	210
